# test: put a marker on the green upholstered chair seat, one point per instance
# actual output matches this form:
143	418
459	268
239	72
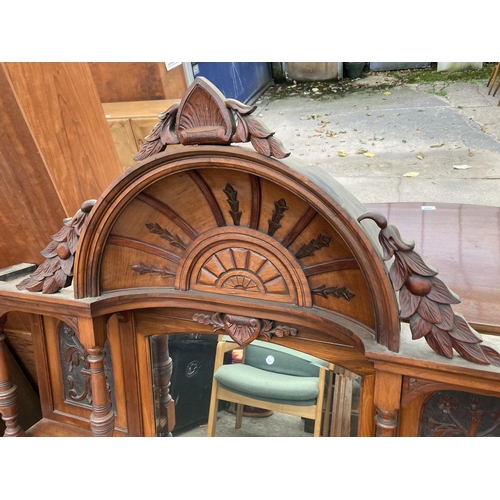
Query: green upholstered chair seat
268	386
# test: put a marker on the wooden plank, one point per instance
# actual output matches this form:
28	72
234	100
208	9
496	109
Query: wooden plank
137	81
31	210
65	117
137	109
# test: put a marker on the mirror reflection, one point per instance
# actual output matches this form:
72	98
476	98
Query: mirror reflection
207	385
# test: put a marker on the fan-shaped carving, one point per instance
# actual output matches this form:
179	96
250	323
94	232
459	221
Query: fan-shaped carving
245	262
203	117
242	269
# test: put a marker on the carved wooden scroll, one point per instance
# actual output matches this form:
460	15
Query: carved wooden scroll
426	301
244	330
204	116
57	270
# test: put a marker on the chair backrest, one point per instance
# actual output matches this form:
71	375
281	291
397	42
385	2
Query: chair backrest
279	359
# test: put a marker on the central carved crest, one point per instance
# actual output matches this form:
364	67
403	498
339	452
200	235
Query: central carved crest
241	329
205	116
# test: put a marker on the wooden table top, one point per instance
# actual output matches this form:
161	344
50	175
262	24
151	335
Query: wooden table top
463	243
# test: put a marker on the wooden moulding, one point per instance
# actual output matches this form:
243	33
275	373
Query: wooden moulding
339	209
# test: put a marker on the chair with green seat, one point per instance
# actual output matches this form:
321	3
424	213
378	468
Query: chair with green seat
271	377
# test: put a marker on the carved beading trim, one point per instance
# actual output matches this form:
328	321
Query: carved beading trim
426	301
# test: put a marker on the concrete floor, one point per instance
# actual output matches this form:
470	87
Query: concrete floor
427	129
277	425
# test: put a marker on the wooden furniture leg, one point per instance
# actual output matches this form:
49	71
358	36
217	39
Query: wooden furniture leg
8	391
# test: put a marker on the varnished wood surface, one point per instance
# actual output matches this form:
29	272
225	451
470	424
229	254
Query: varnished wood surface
137	81
463	243
137	109
63	110
31	210
49	428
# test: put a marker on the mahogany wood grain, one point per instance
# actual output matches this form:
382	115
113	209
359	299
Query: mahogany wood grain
137	81
387	402
256	201
212	202
31	208
64	113
366	417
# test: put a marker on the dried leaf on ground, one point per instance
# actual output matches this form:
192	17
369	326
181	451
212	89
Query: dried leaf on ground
387	93
369	155
341	153
420	156
410	174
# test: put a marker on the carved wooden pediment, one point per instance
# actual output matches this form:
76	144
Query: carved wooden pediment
205	116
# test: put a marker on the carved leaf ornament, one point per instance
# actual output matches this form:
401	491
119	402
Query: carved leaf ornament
204	116
426	301
57	270
244	330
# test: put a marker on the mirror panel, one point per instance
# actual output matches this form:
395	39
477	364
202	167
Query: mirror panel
182	369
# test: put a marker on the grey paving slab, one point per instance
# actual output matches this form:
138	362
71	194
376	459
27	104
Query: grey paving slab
427	129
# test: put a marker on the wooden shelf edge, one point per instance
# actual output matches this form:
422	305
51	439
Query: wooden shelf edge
50	428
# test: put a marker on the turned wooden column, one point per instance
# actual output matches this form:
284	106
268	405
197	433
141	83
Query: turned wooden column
102	419
8	391
162	373
92	334
387	403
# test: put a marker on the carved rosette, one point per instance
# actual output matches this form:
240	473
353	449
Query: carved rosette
426	301
204	116
244	330
57	270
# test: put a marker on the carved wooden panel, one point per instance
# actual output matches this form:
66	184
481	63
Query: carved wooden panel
460	414
293	254
76	370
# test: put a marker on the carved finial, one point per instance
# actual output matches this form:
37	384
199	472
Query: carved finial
426	300
57	270
204	116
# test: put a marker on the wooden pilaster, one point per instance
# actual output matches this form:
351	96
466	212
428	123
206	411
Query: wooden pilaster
387	403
